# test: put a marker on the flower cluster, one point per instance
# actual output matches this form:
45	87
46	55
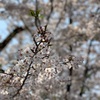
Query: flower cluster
37	70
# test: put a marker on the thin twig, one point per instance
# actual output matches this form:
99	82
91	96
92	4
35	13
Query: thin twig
51	10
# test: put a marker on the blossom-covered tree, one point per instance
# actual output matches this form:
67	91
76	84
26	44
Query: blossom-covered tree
56	56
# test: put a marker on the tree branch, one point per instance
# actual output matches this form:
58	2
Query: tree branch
51	10
27	74
86	68
10	37
37	21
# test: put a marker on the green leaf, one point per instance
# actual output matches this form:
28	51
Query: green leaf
32	13
0	65
41	16
38	12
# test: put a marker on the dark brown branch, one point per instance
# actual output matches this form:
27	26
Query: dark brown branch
37	20
68	86
70	13
27	74
51	10
86	68
10	37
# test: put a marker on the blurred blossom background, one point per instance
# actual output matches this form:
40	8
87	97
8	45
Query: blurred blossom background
75	28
